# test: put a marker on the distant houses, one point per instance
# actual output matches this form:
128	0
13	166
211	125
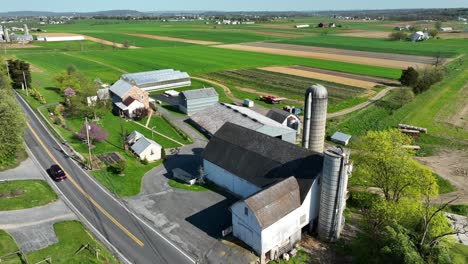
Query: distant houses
419	36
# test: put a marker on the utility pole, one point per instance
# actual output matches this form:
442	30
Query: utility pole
89	145
25	84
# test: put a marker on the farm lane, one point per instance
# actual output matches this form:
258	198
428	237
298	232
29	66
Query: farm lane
123	232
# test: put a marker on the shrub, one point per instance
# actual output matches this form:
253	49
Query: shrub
37	95
400	35
119	166
428	77
409	77
140	113
144	161
163	154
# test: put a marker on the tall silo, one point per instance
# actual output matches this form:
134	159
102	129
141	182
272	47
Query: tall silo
26	29
315	117
7	34
336	170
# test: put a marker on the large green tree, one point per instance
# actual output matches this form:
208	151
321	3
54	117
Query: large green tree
384	162
19	73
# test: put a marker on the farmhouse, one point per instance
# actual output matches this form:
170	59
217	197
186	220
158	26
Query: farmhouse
144	148
193	101
285	118
419	36
278	184
127	98
210	120
157	80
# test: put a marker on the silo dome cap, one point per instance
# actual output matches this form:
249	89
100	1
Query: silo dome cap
318	91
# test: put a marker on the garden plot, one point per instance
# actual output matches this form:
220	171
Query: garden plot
280	84
365	34
322	76
349	56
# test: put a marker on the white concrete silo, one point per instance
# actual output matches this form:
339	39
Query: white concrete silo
315	117
336	170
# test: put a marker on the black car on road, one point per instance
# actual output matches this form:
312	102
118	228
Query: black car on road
57	173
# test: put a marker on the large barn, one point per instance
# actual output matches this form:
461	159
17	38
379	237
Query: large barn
213	118
284	189
193	101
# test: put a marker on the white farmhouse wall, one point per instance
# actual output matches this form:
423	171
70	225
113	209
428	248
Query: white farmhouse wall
246	227
151	153
225	179
133	106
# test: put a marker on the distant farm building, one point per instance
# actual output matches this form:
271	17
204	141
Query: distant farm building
59	38
302	26
419	36
210	120
446	29
285	118
157	80
193	101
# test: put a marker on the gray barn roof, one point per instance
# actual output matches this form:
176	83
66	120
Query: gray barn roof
142	78
199	93
278	115
275	202
214	117
262	160
120	88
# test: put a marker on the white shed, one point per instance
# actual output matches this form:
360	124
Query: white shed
341	138
147	149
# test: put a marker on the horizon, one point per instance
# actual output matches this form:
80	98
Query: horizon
85	6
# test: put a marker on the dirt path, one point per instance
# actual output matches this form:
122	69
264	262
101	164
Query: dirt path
322	76
350	56
365	34
362	105
193	41
453	166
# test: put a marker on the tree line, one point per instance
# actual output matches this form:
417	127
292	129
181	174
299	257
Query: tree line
12	122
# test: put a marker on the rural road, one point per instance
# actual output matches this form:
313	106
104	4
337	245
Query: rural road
128	237
362	105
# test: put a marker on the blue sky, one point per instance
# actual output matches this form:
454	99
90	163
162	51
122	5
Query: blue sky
223	5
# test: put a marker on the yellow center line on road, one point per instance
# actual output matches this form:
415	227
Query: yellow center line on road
97	205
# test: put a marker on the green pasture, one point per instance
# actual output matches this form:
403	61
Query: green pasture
431	109
120	38
432	47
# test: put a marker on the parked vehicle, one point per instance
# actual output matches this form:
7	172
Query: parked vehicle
57	173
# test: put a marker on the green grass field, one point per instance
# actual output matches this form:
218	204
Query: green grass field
120	38
24	194
7	246
459	254
432	47
183	186
72	236
431	109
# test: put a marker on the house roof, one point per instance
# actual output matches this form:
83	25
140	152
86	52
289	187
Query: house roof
120	88
128	101
199	93
142	144
143	78
262	160
214	117
121	106
278	115
275	202
341	137
134	136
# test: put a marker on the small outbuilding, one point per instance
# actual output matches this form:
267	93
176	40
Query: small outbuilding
248	103
341	138
133	137
147	149
285	118
193	101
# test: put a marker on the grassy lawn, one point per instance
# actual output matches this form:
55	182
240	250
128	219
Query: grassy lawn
7	246
459	254
432	47
460	209
179	185
136	41
157	123
72	236
24	194
444	185
302	257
